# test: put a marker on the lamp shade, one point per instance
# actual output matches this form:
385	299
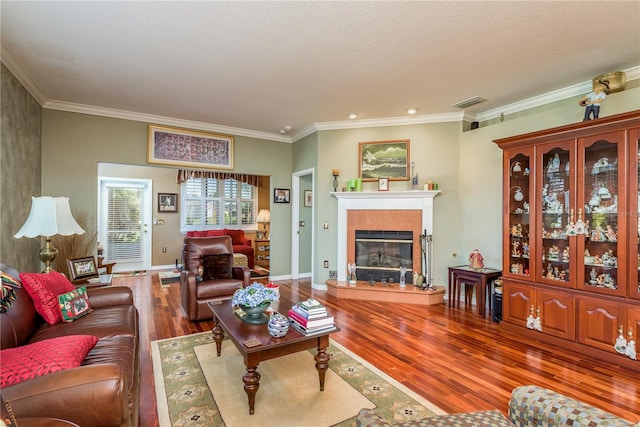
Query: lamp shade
49	216
264	215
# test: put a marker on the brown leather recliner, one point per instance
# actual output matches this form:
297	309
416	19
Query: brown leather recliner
209	275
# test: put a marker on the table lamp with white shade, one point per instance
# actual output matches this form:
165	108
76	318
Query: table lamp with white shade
264	216
48	217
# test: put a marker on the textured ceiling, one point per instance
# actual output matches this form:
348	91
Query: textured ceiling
263	65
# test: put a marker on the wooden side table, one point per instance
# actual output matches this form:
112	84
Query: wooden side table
108	266
478	277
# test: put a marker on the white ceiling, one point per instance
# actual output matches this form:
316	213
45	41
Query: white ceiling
259	66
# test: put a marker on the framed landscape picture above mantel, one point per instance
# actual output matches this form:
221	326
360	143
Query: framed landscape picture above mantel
384	159
179	147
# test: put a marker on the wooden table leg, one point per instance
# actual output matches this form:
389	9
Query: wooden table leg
218	336
251	385
480	291
322	364
450	288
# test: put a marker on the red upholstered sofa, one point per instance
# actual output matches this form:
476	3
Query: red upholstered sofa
241	245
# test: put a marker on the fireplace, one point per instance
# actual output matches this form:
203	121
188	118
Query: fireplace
382	210
379	254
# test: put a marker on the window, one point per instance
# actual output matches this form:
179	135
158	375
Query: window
210	203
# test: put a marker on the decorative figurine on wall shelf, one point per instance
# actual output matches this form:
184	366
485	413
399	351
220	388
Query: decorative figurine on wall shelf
476	260
593	100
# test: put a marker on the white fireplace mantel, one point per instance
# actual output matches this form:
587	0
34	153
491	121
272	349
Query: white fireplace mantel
379	200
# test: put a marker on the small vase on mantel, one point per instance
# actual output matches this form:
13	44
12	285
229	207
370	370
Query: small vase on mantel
403	278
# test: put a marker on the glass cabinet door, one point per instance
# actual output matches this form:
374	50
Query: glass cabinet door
601	203
556	253
634	217
518	247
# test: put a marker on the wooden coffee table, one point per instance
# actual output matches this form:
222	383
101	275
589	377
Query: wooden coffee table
269	348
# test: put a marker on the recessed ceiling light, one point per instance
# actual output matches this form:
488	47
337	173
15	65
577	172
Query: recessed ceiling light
411	111
353	116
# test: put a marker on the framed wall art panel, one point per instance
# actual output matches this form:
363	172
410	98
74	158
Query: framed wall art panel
179	147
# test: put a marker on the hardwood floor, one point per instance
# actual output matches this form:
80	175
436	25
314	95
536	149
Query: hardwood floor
452	357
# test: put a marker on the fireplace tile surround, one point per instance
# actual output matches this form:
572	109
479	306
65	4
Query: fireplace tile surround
381	210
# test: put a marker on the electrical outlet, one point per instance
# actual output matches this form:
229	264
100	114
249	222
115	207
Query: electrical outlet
164	249
326	263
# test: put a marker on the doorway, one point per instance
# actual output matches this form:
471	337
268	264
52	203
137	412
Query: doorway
124	217
302	223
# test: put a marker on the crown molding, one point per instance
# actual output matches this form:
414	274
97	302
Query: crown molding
20	73
549	97
389	121
162	120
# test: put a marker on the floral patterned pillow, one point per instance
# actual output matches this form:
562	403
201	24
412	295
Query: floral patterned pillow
74	304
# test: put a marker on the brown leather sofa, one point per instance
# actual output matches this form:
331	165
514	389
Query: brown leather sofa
104	390
209	275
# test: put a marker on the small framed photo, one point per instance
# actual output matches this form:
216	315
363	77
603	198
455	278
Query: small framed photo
82	268
383	184
167	202
308	198
281	195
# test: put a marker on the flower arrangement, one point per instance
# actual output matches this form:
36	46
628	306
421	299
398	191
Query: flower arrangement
254	295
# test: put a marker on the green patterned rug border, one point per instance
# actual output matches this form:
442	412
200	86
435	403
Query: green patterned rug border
190	402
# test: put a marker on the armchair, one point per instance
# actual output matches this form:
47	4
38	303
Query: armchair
209	275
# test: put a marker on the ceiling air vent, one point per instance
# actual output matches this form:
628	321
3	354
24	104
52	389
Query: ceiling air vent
469	102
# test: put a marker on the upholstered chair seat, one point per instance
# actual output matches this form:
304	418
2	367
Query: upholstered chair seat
209	275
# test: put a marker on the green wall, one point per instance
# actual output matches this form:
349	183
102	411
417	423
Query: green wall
467	166
480	192
433	148
73	144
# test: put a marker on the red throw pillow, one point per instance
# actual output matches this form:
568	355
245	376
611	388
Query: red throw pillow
44	288
43	357
199	234
237	236
215	233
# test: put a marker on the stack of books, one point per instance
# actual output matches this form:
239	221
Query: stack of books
310	317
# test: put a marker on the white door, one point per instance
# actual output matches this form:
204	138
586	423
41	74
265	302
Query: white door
124	210
302	238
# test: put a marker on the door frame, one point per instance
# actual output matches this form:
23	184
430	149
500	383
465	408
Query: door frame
147	202
295	223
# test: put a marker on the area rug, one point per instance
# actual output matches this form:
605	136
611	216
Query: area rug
168	277
184	366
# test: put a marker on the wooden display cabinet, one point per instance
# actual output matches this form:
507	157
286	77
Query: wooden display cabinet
553	311
571	239
262	252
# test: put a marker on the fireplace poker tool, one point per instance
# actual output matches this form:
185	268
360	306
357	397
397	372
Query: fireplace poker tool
426	246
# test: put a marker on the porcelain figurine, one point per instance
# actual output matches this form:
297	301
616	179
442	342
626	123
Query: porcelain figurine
593	100
476	260
621	344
